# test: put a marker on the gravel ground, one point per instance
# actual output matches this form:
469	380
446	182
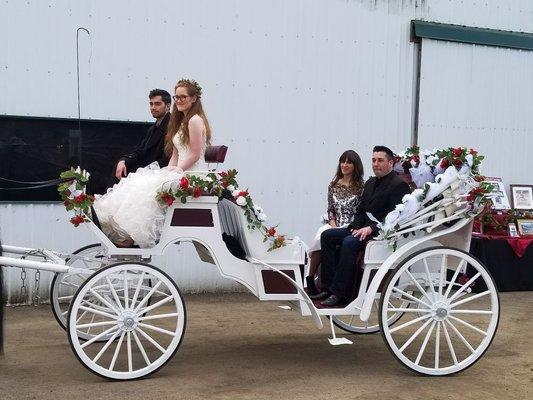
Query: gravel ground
237	347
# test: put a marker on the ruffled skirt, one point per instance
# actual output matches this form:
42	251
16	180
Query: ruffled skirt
130	208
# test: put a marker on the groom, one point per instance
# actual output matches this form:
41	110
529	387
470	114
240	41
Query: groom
380	196
152	147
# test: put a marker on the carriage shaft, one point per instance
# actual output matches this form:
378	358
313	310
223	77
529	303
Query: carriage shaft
44	266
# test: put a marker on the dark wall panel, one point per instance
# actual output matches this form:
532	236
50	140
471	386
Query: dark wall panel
37	149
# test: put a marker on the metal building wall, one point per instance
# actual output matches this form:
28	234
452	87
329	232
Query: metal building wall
288	85
481	97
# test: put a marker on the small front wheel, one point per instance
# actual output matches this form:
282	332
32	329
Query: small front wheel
448	327
143	324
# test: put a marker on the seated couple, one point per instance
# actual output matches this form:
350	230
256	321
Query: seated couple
129	212
349	226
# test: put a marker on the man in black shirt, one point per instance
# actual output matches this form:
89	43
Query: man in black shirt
380	196
152	147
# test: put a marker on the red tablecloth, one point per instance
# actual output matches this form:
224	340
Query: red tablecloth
518	244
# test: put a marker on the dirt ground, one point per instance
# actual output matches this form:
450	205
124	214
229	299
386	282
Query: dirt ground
237	347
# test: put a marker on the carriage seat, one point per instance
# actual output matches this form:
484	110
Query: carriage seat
215	154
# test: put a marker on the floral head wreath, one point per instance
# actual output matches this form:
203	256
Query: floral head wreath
192	83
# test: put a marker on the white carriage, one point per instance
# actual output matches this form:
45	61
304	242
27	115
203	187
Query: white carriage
435	305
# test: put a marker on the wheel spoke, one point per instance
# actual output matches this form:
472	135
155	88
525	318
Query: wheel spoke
467	284
108	343
65	298
424	343
430	282
411	310
460	336
157	329
117	349
147	297
141	348
155	305
477	296
151	340
114	293
455	275
468	325
130	356
406	324
95	338
81	316
170	315
126	294
442	272
424	293
450	345
94	324
487	312
410	296
107	303
414	336
103	314
137	290
437	346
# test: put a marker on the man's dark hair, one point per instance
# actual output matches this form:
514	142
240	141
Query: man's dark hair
384	149
165	96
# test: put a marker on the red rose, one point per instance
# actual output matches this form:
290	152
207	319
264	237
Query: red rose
457	152
271	231
66	202
473	152
77	220
224	184
80	198
243	193
223	174
197	191
457	162
91	197
168	199
184	183
444	163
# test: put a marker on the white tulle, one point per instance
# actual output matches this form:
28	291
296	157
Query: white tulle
130	208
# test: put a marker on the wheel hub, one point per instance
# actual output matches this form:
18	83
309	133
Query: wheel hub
440	311
128	322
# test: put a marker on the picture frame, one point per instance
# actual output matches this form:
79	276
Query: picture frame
525	226
498	195
512	231
522	197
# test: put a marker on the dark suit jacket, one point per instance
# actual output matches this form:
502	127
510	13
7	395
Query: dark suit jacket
151	148
379	201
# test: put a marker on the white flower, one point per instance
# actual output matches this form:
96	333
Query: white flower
241	201
257	209
470	159
406	197
235	193
231	188
78	170
430	160
262	217
399	207
87	175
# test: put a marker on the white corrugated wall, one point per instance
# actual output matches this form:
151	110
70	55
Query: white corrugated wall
288	85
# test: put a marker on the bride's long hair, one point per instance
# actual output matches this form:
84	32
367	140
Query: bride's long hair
179	119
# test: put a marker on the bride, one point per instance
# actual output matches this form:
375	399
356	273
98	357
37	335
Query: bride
129	212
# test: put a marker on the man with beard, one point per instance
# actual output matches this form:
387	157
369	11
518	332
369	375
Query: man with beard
151	148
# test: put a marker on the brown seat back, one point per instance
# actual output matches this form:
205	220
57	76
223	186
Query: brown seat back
215	154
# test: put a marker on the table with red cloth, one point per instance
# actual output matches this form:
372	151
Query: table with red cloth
509	259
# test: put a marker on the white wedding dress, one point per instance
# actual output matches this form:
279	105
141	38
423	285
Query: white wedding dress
130	209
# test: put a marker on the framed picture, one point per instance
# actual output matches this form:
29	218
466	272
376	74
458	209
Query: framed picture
499	198
525	226
512	230
522	196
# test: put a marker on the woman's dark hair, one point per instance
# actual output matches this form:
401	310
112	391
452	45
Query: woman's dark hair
353	158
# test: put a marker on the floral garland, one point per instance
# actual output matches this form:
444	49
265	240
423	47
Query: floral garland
224	186
72	193
433	172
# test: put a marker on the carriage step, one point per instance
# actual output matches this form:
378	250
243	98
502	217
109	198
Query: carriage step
335	341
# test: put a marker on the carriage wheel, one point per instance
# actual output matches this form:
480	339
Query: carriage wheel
449	326
353	324
141	337
64	285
